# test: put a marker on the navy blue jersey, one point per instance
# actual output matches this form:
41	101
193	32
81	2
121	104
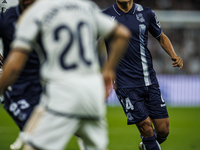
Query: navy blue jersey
29	79
136	68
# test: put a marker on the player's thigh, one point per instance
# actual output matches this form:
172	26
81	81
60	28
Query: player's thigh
94	134
155	103
46	130
161	126
133	103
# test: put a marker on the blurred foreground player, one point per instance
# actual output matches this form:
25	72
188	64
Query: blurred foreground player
137	86
24	94
74	95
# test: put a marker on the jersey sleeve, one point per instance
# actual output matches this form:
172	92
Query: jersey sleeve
27	30
155	26
104	24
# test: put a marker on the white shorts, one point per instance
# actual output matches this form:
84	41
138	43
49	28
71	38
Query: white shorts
49	131
78	95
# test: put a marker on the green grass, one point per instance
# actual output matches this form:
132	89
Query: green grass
184	130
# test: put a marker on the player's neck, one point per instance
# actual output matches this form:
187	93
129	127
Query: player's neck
125	6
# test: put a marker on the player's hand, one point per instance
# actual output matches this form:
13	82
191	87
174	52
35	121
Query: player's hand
178	62
1	61
108	77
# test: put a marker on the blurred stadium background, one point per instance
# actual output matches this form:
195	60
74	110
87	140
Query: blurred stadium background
180	20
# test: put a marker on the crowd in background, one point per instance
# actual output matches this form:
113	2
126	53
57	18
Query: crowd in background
186	41
159	4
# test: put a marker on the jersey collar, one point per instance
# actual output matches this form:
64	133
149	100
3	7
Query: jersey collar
120	12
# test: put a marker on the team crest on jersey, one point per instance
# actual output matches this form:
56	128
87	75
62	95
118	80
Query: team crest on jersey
112	18
140	17
4	1
139	7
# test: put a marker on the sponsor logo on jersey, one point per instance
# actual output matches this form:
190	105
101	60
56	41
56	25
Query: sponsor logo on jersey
139	7
140	17
157	22
4	1
112	18
162	105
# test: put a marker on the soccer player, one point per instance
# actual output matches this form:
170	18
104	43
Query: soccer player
137	86
4	5
24	94
73	99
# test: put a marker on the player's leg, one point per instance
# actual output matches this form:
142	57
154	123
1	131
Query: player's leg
94	134
28	147
145	128
161	129
19	108
158	112
133	103
50	130
149	141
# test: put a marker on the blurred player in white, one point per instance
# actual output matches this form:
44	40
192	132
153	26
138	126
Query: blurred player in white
73	98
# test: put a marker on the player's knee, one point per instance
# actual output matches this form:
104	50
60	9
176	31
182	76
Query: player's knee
163	131
162	136
145	128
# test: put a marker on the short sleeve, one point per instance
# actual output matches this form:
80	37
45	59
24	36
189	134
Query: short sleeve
27	30
155	26
104	24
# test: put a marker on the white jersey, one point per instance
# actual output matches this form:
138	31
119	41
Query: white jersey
67	30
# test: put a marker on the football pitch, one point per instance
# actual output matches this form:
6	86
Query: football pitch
184	130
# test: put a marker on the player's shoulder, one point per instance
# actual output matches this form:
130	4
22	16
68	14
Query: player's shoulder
142	9
108	10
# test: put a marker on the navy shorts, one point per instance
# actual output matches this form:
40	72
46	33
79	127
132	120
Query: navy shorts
20	107
140	102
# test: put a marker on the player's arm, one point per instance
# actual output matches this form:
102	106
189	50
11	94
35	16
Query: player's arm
167	46
118	45
12	67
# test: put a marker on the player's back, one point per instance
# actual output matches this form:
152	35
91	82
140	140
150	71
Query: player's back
68	30
68	43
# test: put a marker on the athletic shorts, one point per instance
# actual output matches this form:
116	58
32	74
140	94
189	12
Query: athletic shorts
141	102
52	131
20	107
